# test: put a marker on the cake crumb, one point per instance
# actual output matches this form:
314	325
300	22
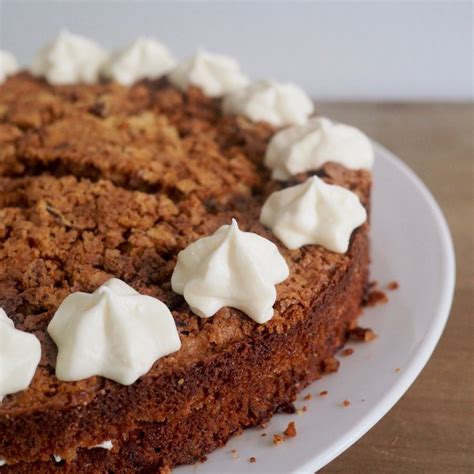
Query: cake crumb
180	381
323	393
263	434
305	408
397	369
346	403
234	453
347	352
308	397
375	298
252	459
290	431
299	412
278	439
393	285
362	334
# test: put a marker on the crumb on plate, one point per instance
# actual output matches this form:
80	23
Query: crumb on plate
393	285
290	431
375	298
362	334
278	439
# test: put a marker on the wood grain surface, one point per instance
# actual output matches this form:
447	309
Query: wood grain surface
431	429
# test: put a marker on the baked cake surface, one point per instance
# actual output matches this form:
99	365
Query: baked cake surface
101	181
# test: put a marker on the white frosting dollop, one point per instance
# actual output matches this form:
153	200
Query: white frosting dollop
2	461
314	212
20	353
57	458
144	58
8	65
230	268
69	59
308	147
105	445
268	101
114	332
215	74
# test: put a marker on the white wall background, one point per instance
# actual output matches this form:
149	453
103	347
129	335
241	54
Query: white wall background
394	50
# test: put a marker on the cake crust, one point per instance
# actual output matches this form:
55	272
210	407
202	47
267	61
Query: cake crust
100	181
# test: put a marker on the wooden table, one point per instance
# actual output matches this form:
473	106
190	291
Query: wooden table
431	429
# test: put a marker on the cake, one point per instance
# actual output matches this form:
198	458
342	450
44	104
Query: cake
102	180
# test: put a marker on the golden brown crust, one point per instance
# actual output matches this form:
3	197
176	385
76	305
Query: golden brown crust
100	181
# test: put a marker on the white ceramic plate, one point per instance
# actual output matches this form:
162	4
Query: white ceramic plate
412	245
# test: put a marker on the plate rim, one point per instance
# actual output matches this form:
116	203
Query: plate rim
433	334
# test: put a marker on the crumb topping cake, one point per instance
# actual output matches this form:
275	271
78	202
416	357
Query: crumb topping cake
182	251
